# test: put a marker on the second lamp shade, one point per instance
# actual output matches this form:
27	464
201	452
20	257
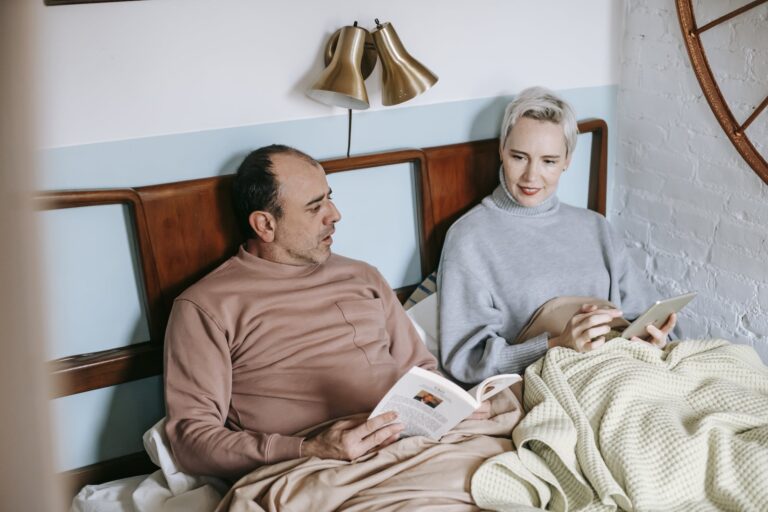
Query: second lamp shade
404	77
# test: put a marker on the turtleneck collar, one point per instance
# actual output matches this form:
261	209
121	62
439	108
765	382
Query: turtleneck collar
503	199
273	268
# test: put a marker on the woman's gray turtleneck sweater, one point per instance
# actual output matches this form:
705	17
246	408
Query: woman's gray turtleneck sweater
501	261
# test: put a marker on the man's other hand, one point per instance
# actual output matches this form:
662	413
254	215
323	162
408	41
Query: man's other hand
481	413
349	439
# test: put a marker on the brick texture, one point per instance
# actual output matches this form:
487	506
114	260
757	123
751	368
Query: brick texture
692	212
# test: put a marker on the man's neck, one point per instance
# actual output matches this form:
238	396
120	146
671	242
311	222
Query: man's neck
266	251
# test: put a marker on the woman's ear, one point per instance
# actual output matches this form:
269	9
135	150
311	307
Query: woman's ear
263	224
567	163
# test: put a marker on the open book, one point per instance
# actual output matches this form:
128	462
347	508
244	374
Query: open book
430	405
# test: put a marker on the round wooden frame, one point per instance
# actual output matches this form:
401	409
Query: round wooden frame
736	132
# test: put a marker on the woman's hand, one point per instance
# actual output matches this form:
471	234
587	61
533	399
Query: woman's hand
659	337
586	330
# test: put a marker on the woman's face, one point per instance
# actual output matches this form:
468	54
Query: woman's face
534	156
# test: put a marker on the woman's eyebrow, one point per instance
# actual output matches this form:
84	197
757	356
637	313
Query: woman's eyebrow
555	156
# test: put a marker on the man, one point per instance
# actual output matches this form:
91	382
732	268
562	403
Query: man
284	335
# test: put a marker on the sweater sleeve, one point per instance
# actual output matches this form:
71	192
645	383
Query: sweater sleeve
471	348
198	387
406	345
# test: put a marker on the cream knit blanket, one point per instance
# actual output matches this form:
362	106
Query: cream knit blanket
636	428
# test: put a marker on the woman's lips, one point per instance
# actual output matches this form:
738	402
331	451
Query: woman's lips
529	191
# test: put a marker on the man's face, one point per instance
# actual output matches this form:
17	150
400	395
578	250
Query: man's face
303	232
534	157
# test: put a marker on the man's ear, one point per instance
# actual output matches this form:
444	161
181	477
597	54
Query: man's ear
263	224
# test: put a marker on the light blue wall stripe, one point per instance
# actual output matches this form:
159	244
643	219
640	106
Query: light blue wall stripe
371	229
150	160
93	292
106	423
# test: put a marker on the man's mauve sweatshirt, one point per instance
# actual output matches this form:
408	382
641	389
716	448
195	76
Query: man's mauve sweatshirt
257	351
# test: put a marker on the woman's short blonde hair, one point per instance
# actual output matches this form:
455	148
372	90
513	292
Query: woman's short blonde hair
544	105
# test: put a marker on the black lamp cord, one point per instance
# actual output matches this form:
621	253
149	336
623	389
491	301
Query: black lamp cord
349	132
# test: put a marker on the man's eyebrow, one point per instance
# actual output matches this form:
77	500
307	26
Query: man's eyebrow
319	198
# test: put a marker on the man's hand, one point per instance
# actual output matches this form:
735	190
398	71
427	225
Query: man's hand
481	413
656	336
349	439
586	330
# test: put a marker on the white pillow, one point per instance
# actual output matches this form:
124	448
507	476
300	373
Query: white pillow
165	490
424	318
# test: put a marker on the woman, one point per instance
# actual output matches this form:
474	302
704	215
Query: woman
521	247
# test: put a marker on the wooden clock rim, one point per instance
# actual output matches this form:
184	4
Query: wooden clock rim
712	92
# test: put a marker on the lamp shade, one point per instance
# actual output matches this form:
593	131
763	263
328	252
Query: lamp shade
404	77
341	83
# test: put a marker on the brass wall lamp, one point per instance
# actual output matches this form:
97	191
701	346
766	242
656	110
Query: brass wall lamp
350	57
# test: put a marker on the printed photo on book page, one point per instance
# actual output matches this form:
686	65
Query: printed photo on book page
430	405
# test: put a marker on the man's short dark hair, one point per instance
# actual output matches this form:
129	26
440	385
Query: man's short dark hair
256	187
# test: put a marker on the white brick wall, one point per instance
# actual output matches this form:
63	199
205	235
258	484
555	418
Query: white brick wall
693	214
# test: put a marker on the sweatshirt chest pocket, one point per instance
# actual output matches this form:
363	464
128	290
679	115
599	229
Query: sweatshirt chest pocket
366	318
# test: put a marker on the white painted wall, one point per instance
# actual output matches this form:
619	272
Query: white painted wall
696	214
115	71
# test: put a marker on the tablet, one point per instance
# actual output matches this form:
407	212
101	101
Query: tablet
657	315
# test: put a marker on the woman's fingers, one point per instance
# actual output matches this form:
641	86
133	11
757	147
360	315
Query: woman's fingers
670	323
658	337
588	325
598	318
596	343
595	332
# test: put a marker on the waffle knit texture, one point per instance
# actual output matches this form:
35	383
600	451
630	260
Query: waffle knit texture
634	427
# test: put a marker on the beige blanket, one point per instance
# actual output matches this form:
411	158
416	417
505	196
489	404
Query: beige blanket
633	427
411	474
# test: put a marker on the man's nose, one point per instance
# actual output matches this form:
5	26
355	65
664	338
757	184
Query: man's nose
335	215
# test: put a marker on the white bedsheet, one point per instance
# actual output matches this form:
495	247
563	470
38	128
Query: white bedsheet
165	490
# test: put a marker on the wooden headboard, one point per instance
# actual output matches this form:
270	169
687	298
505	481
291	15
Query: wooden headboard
185	229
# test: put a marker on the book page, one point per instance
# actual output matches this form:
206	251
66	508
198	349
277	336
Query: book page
427	404
493	385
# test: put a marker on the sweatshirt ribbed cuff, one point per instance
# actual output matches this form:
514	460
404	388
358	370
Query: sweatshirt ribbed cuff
280	448
516	358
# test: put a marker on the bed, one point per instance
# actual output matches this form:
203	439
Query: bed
183	230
